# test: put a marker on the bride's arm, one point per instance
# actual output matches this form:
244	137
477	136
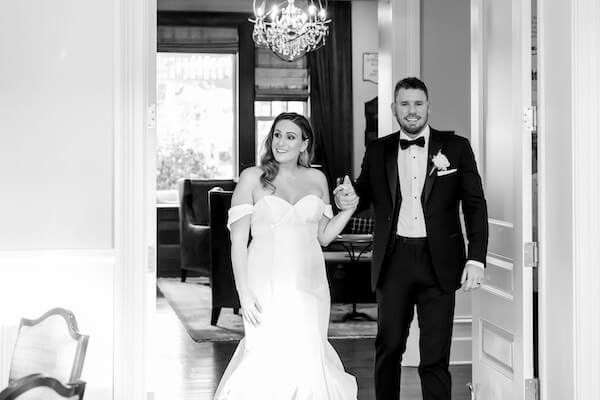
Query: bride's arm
240	233
330	228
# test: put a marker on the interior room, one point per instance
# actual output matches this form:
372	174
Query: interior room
124	127
281	85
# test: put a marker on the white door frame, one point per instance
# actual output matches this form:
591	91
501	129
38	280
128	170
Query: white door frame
569	195
134	196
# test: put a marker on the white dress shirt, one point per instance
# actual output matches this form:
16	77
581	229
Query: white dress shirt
412	166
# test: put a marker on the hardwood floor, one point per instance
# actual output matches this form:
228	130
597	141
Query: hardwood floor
186	370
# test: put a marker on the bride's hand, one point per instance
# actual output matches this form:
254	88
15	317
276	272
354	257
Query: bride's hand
344	195
251	309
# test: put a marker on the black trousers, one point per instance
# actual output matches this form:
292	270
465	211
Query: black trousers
408	280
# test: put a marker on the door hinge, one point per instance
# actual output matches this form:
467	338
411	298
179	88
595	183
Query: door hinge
532	389
530	256
530	118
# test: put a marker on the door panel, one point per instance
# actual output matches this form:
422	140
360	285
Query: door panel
502	308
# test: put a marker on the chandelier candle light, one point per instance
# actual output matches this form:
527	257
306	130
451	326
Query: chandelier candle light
290	32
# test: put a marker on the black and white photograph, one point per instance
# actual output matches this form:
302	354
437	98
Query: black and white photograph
300	200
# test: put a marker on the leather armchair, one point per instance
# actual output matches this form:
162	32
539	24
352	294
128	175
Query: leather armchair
222	284
194	236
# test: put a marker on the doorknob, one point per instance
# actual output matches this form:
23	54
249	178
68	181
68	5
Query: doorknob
471	391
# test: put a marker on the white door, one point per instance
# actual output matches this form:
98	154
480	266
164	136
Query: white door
501	93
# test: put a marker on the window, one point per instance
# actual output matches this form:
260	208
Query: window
196	116
280	86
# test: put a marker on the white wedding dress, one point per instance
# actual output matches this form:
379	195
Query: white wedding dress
287	356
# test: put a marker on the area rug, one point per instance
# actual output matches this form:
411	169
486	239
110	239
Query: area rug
191	303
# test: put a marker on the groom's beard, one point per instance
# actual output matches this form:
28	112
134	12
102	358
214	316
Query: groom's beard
412	128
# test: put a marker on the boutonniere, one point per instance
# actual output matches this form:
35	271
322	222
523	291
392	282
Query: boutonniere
440	162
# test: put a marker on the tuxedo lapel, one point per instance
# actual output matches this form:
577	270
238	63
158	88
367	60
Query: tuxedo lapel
435	145
391	166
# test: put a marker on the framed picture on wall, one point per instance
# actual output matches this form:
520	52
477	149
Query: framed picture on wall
370	68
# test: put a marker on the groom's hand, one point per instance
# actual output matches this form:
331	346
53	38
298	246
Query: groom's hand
472	277
344	195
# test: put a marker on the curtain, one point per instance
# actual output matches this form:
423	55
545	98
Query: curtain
276	79
330	71
197	39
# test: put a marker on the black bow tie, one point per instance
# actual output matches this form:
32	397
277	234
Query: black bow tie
405	144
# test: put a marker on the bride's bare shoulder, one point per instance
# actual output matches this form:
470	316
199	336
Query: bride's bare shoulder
318	180
315	174
317	177
249	181
251	173
250	176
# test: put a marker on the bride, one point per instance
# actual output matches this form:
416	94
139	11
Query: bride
280	276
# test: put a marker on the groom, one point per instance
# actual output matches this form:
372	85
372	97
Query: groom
416	179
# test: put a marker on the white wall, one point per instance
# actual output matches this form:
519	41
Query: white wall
56	125
445	62
364	40
56	169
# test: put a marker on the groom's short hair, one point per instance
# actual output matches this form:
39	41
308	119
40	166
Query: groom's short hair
411	83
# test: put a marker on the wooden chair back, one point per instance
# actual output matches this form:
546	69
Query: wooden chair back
39	387
50	345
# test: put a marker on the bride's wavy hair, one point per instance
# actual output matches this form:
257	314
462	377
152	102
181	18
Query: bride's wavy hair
268	163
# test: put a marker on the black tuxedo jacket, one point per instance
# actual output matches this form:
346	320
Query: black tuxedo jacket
378	185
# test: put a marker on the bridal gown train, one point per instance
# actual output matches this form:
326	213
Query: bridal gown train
287	356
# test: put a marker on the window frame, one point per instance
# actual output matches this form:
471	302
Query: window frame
235	124
246	142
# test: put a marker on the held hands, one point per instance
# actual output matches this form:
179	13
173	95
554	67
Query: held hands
472	277
344	195
251	309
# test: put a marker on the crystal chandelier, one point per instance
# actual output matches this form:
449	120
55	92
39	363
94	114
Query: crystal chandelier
291	32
